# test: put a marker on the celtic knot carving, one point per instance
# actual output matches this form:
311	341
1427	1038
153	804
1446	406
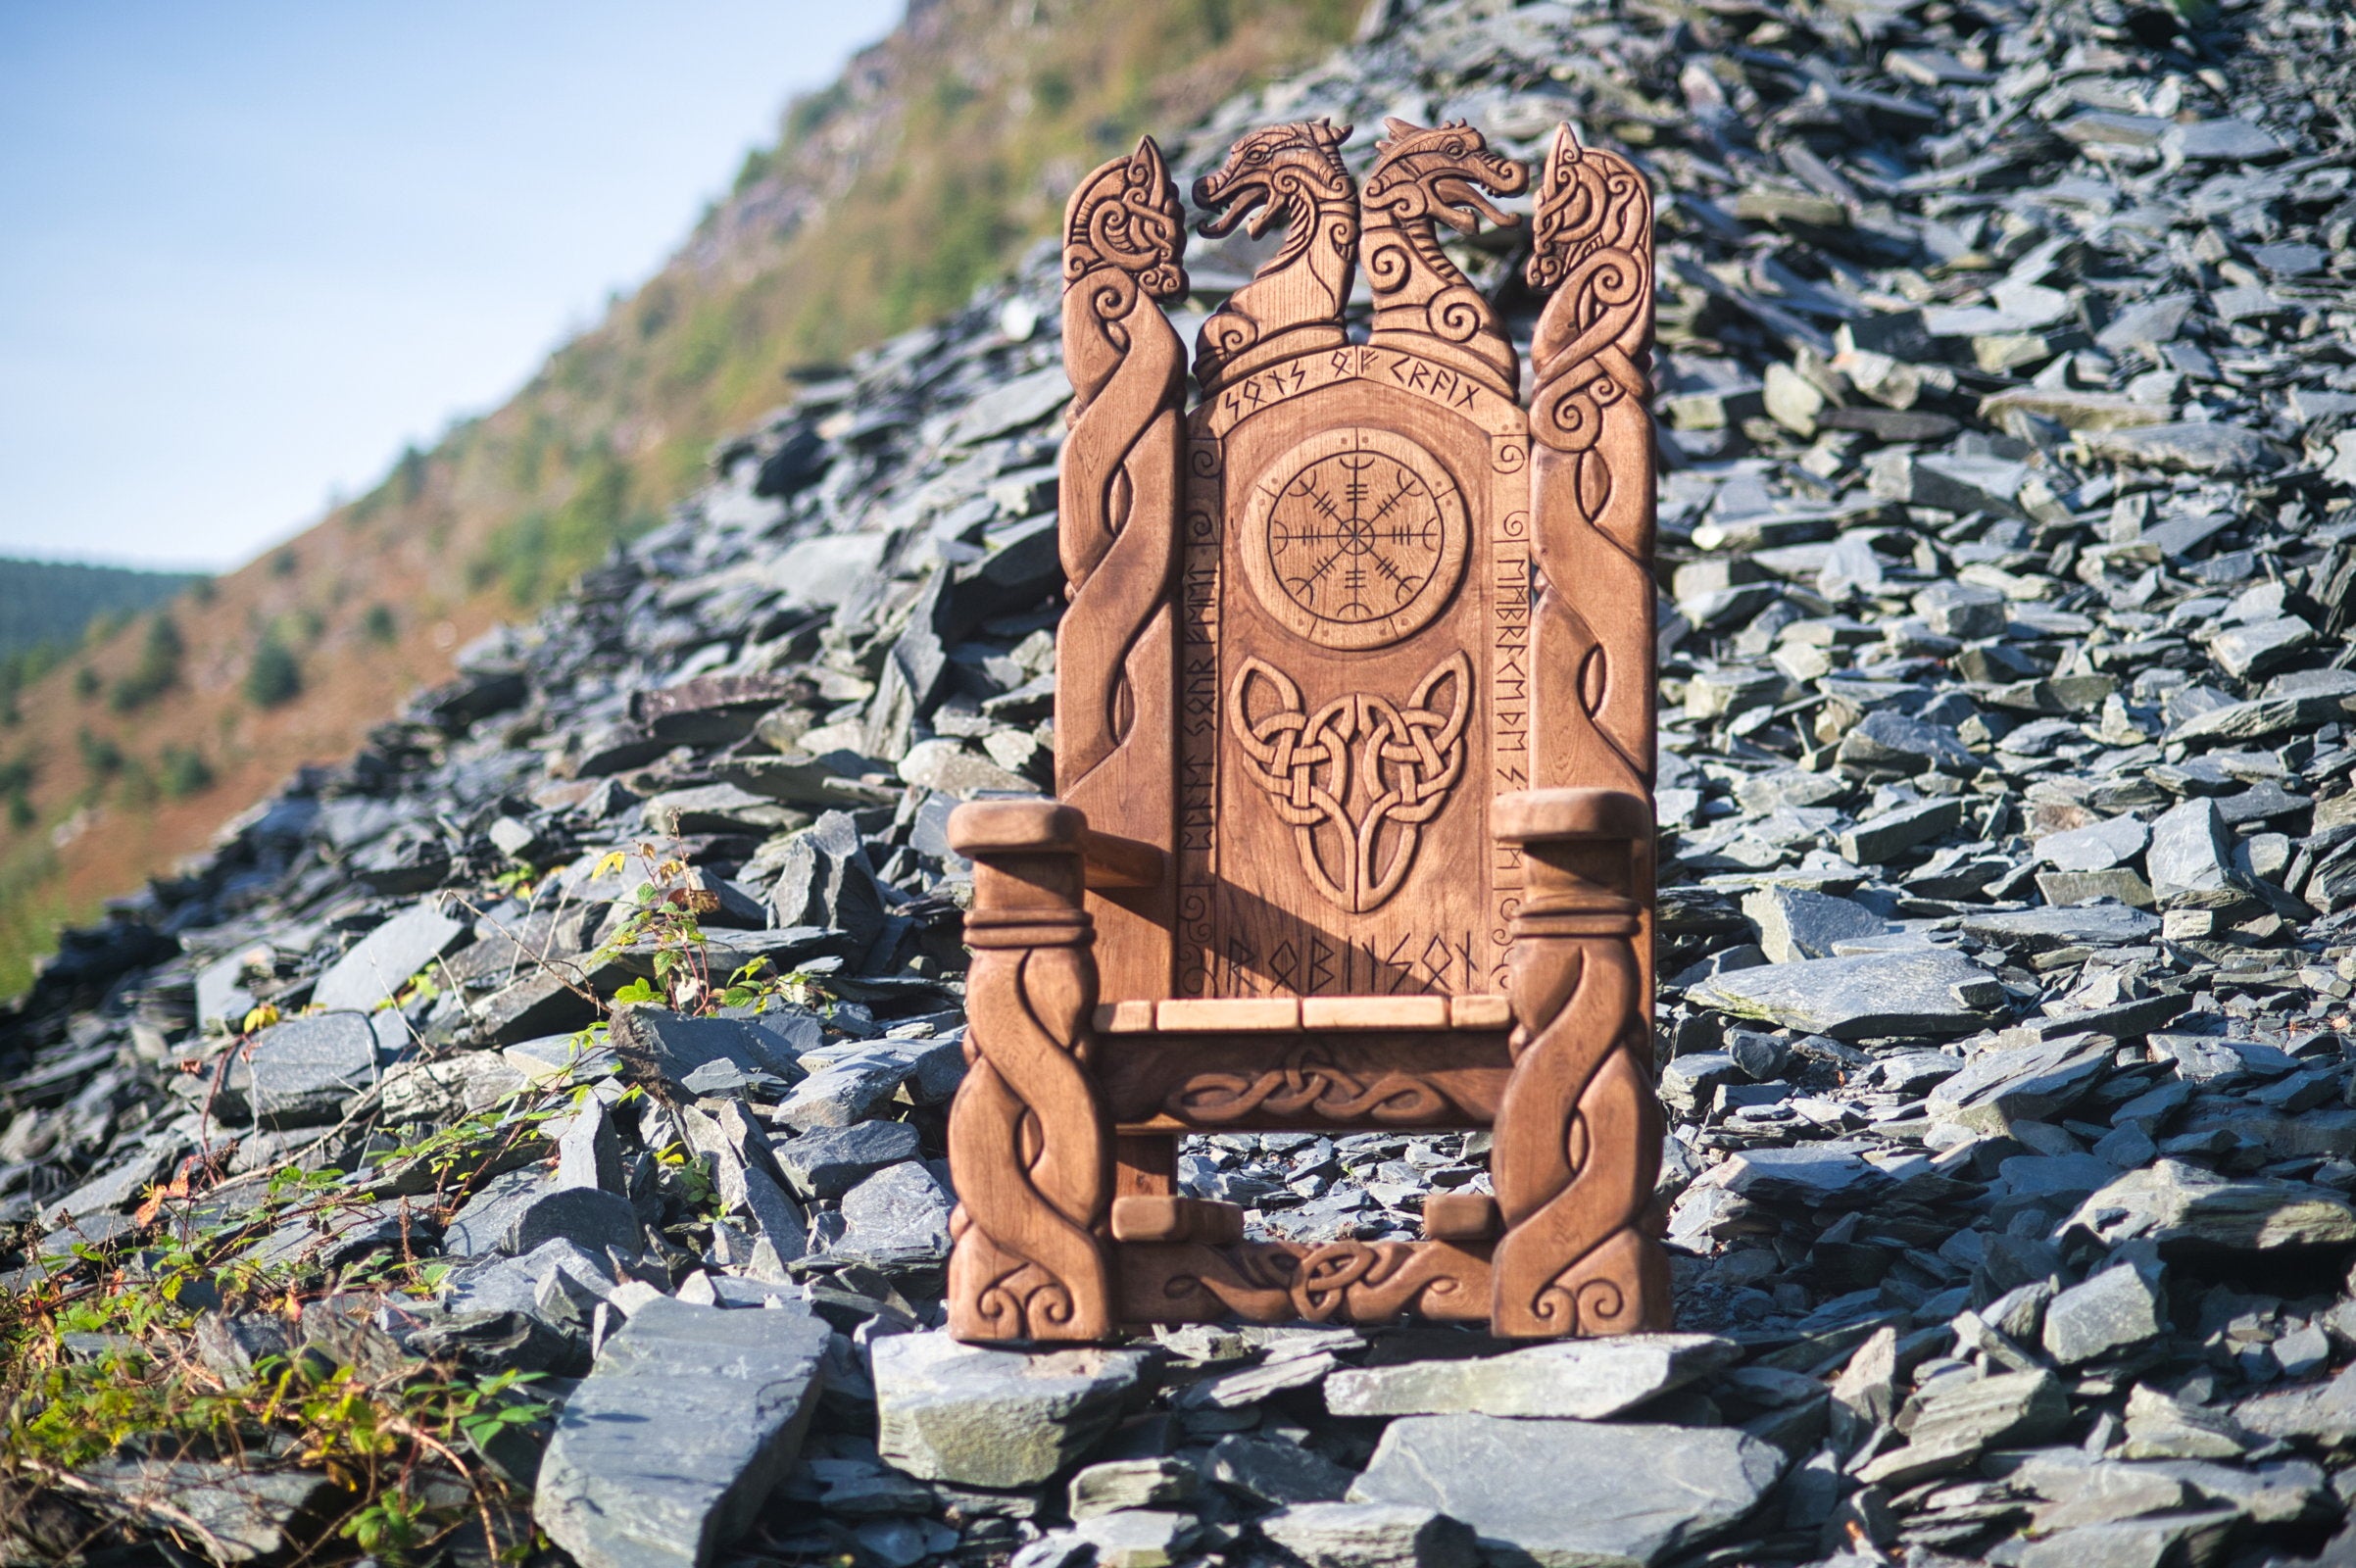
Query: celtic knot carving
1404	761
1307	1081
1348	1282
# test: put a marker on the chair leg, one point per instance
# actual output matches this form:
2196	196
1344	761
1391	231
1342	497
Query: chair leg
1029	1140
1578	1137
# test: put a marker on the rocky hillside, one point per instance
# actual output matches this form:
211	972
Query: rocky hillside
431	1162
926	169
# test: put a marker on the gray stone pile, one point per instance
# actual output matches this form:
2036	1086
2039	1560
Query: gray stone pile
2007	935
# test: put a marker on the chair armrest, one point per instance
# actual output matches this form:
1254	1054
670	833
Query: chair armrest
1536	816
1118	863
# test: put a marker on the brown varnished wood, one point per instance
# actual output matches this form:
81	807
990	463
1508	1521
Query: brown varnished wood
1331	1282
1578	1140
1330	1081
1591	481
1355	738
1028	1138
1422	302
1291	174
1124	240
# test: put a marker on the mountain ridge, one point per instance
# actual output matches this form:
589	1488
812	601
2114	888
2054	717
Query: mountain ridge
887	196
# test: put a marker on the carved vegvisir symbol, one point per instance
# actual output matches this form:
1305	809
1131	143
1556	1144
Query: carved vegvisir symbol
1354	539
1358	779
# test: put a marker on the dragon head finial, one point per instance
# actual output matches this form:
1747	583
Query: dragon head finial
1270	173
1127	215
1441	173
1576	200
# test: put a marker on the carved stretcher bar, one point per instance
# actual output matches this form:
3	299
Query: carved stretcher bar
1354	727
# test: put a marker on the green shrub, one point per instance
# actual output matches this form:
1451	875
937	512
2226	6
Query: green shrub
274	677
156	672
376	624
101	756
183	771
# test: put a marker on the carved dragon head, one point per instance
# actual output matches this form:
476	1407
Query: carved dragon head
1440	173
1271	174
1127	215
1582	195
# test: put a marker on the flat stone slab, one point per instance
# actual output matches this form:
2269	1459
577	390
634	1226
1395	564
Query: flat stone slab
1572	1494
2093	925
2182	1205
381	962
1864	997
673	1442
1370	1535
1587	1380
982	1417
306	1071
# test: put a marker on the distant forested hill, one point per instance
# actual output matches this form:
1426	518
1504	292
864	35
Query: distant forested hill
50	603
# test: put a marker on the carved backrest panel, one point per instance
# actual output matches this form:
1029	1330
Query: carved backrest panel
1373	607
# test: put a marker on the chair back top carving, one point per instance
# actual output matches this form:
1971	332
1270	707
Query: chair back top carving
1320	620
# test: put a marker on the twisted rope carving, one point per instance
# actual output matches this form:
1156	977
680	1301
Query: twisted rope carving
1124	235
1423	304
1591	355
1584	1175
1293	305
1407	759
1026	1264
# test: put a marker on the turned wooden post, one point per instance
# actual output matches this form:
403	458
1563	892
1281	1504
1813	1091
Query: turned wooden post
1578	1139
1028	1137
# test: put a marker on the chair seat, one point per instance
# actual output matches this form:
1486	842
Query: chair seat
1218	1015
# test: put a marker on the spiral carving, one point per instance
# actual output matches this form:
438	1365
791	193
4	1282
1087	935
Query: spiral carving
1124	238
1578	1139
1293	305
1423	304
1593	466
1027	1131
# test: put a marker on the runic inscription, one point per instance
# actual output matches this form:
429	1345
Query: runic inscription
1356	539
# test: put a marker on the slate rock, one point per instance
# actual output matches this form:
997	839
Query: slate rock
1370	1535
1116	1484
658	1044
2042	930
1794	923
2115	1308
896	1218
985	1417
1885	836
1587	1380
732	1394
381	962
235	1513
1273	1471
824	880
1934	991
2021	1081
830	1161
2182	1206
2097	847
306	1071
1572	1494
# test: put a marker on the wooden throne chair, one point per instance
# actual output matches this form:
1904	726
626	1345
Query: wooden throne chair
1353	744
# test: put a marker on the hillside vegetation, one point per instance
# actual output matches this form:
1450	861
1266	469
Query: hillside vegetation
936	157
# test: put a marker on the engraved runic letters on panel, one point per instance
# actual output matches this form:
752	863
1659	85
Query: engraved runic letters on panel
1399	764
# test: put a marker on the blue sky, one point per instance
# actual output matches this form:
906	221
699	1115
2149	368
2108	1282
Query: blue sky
248	251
